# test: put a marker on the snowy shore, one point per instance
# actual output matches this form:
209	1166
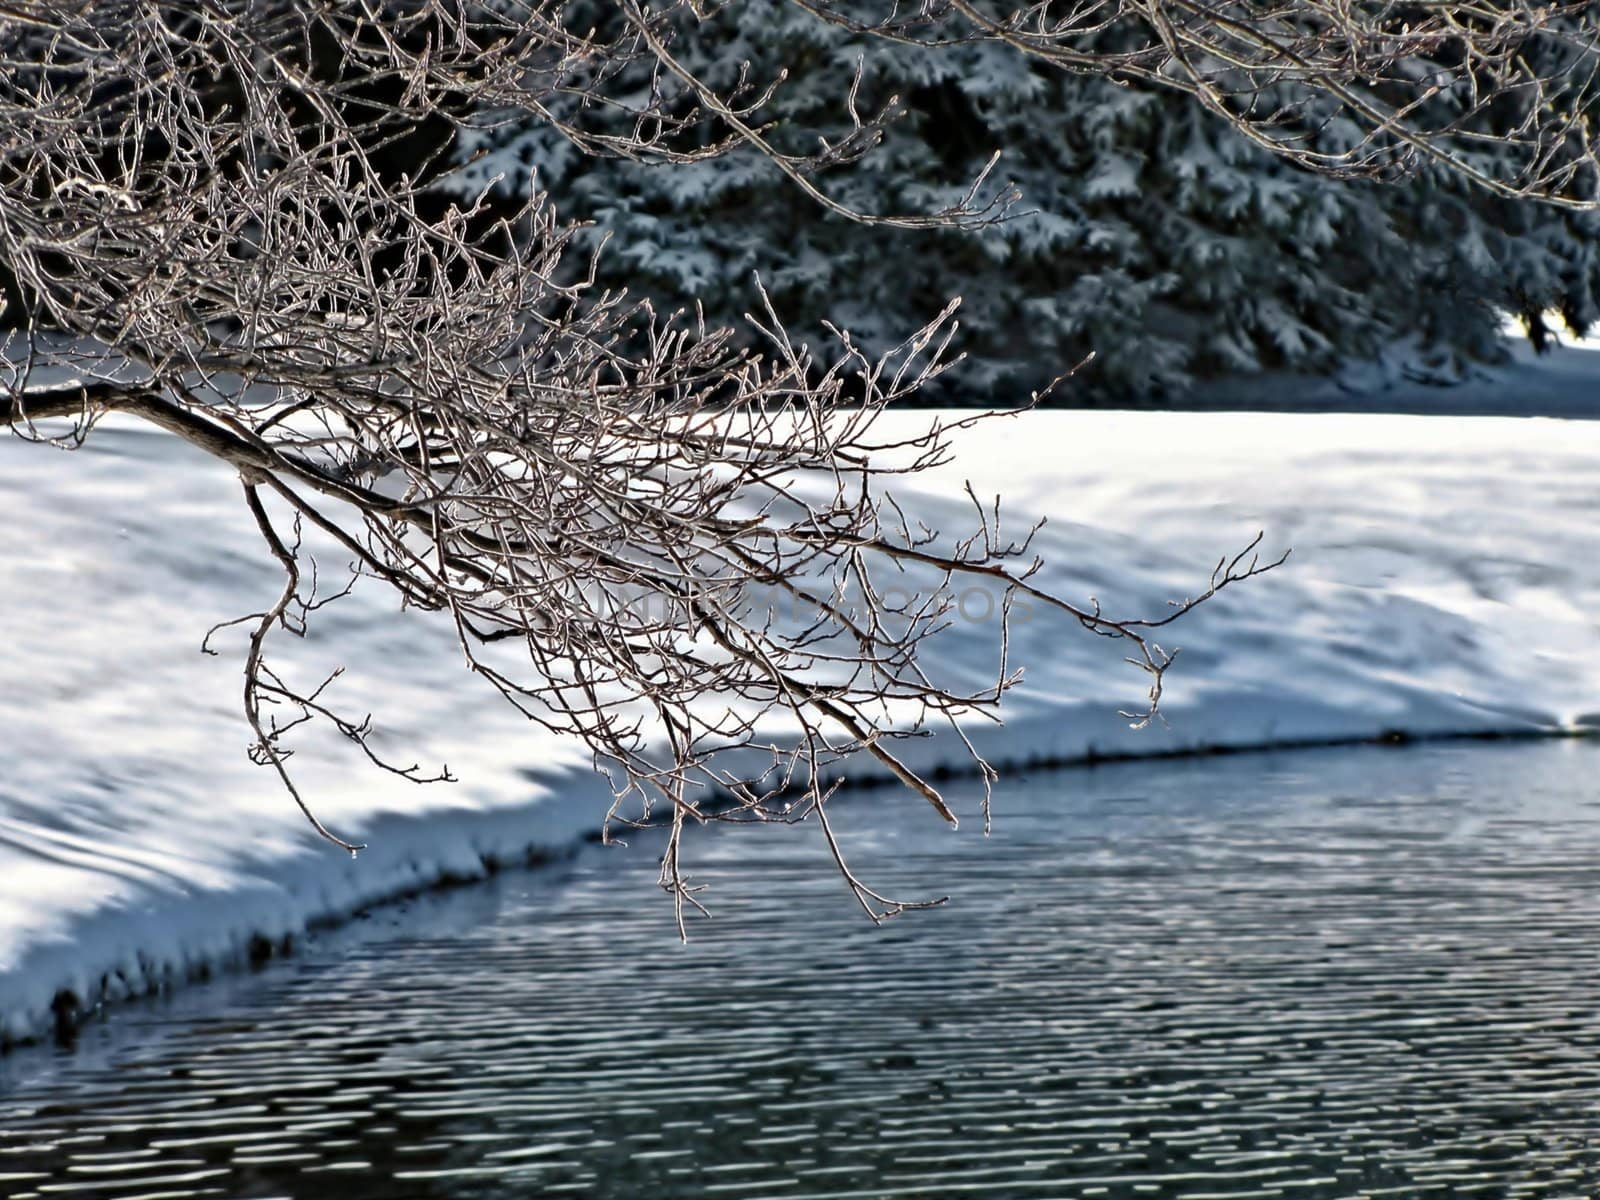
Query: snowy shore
1445	579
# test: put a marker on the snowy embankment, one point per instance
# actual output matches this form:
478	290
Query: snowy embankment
1445	578
1557	383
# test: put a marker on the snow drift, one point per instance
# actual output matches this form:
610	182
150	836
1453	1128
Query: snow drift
1445	579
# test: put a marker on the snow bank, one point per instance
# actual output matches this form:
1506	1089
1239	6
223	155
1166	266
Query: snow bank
1444	580
1558	383
138	845
1445	575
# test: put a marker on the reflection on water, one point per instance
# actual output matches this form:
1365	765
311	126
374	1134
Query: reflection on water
1353	973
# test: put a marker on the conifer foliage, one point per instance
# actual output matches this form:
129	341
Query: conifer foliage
1150	232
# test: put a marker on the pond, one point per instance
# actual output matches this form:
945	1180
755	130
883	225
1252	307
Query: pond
1366	972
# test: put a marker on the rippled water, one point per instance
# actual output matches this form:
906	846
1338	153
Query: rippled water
1354	973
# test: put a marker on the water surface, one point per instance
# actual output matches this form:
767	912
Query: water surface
1345	973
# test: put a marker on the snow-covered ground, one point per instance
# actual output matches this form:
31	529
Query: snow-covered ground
1445	578
1558	383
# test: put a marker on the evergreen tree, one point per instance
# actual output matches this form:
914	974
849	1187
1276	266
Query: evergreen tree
1152	233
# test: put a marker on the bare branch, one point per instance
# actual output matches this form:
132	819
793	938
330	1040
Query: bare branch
645	538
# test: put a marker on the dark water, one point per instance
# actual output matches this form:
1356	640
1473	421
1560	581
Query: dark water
1353	973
